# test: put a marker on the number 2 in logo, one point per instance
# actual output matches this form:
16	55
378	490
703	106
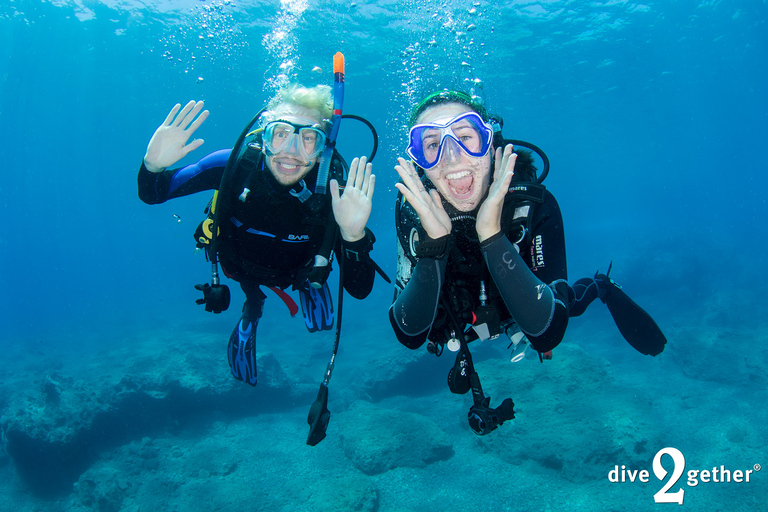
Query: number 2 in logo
679	466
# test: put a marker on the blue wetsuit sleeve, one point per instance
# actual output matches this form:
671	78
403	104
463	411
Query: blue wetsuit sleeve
205	174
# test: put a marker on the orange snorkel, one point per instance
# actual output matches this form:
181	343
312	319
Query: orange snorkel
338	103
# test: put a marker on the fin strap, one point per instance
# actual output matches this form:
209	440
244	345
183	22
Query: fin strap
292	307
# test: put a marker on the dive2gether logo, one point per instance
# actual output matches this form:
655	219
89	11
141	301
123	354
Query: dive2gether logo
715	475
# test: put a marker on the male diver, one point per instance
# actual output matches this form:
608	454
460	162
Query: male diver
275	229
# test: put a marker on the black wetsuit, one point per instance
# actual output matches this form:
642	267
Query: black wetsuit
270	238
523	267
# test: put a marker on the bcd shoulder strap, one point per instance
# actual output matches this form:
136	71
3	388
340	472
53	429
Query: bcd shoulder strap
519	206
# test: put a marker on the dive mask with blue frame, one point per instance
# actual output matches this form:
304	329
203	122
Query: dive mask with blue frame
428	141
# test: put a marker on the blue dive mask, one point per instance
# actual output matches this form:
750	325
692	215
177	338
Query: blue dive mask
468	130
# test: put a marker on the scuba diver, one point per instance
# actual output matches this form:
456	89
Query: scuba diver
271	221
481	250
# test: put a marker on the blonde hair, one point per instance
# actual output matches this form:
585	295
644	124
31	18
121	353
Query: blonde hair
318	98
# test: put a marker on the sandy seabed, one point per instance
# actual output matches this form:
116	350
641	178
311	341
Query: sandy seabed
137	427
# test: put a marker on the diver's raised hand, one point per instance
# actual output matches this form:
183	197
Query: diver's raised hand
489	214
428	204
352	208
168	145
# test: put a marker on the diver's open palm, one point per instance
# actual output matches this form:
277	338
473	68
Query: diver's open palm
352	208
428	204
489	214
169	142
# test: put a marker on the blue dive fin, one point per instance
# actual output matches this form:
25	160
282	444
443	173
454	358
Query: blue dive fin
241	352
317	307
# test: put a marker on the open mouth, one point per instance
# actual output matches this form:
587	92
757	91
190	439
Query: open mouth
461	183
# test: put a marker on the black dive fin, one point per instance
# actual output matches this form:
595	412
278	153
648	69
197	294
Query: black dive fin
634	323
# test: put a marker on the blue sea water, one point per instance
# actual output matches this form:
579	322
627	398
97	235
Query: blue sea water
654	117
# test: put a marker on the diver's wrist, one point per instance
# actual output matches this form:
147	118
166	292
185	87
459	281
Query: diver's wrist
485	234
352	236
490	240
152	168
357	250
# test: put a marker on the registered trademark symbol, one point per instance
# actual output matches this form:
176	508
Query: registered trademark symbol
758	467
